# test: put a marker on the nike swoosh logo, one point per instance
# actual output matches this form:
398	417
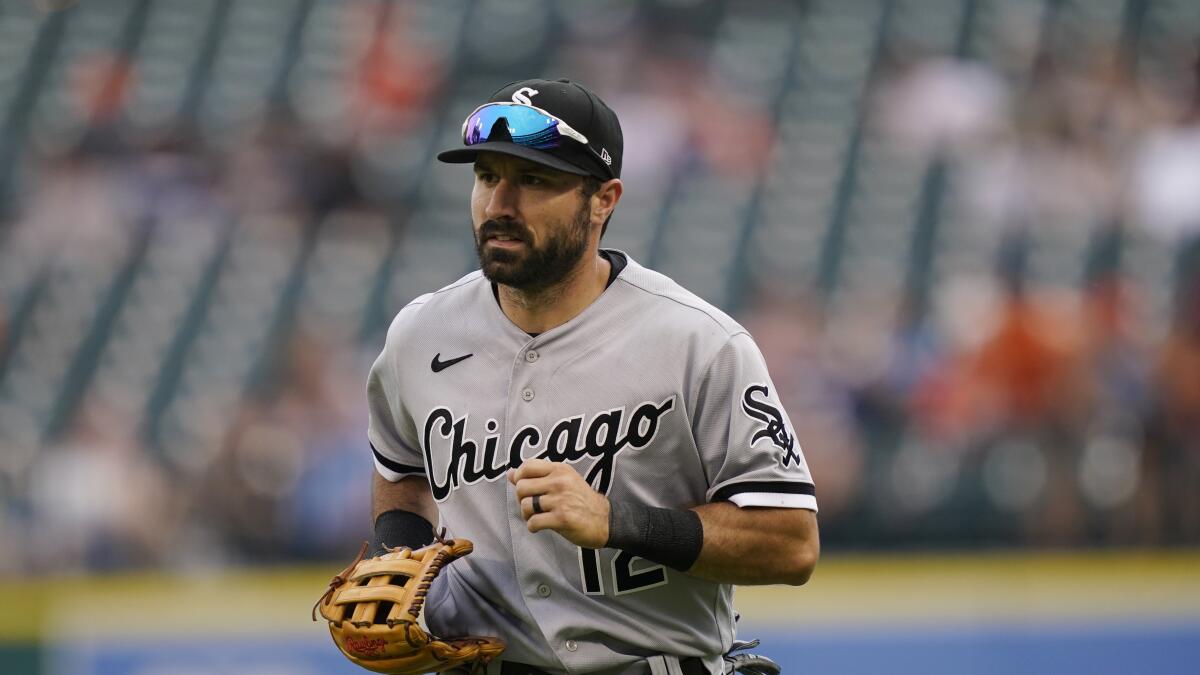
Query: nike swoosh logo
439	366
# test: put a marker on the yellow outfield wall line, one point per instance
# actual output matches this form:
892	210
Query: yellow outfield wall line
243	602
985	588
846	591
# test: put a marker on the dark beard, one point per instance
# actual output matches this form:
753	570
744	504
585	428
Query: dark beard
534	269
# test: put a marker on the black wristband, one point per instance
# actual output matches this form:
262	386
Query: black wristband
666	536
397	528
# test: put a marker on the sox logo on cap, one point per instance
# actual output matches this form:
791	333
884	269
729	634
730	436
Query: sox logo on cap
522	95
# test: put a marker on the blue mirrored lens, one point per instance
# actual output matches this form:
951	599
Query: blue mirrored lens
526	126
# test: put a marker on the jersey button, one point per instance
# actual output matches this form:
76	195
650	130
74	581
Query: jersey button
527	395
544	590
572	645
531	356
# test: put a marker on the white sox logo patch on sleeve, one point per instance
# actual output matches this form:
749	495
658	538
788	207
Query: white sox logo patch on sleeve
775	428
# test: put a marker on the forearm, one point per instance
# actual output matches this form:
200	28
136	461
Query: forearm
720	542
756	545
408	494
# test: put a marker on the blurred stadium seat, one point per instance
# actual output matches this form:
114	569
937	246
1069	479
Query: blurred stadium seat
965	233
192	187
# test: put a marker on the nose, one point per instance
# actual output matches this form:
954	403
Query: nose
502	202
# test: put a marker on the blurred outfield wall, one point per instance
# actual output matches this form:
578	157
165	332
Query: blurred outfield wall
1002	613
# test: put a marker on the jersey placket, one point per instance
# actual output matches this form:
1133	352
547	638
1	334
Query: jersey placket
524	412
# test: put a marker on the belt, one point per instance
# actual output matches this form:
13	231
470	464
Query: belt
692	665
514	668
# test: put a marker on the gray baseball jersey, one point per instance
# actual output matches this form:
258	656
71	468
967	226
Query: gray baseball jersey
652	394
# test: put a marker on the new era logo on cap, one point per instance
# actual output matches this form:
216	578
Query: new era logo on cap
605	156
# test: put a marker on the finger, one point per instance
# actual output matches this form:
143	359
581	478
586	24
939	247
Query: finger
541	521
531	468
544	501
528	487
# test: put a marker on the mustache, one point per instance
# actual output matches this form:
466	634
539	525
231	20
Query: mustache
506	227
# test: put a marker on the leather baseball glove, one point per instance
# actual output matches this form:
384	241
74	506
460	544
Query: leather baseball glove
373	608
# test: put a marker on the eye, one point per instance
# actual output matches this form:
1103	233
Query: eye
531	179
486	177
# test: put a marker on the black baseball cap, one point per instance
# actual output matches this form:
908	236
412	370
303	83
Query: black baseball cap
571	103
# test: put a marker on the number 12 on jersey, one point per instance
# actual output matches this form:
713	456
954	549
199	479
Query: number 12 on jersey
624	577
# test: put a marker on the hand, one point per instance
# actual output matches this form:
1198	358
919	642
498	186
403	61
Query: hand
569	505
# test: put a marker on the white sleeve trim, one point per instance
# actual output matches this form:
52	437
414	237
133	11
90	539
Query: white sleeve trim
388	474
387	466
775	499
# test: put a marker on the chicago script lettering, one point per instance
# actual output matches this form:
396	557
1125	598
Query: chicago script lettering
606	435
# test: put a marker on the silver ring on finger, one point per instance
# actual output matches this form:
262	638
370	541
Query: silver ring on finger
537	504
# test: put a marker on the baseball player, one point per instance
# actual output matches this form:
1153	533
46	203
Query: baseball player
611	443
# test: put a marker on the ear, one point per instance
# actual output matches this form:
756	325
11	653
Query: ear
605	200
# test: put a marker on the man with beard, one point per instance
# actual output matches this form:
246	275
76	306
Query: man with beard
611	444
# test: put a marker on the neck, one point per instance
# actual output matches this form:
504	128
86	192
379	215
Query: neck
539	310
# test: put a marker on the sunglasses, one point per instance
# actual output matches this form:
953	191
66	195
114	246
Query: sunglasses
528	126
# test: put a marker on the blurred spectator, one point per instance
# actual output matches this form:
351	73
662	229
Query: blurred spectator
1020	375
173	179
397	73
97	499
1166	181
940	105
1172	506
288	481
101	83
1166	174
81	205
